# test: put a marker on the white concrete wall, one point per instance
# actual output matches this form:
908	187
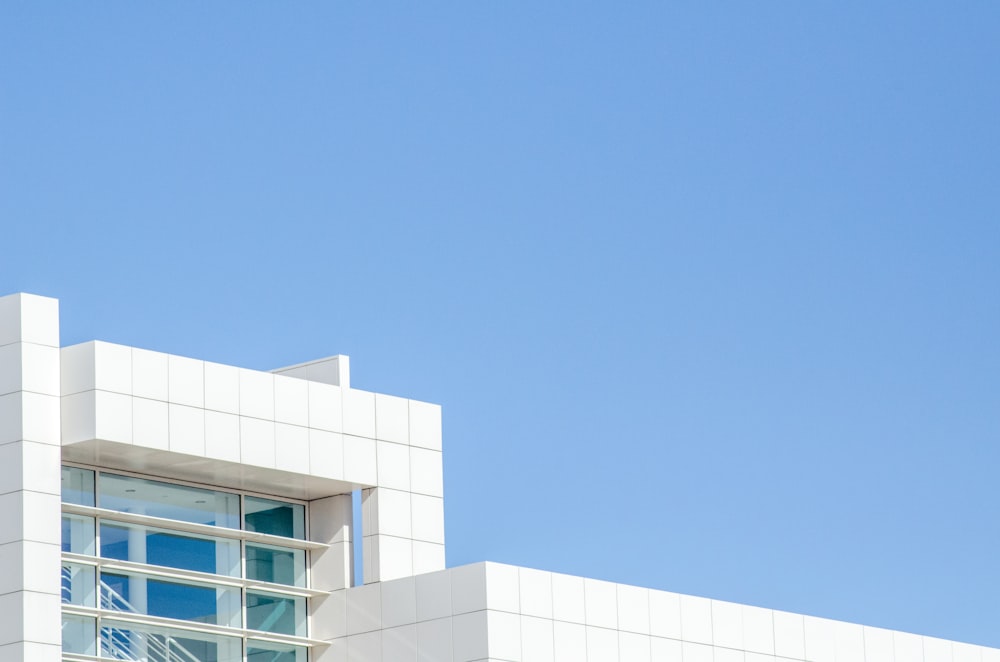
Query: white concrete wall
30	612
496	612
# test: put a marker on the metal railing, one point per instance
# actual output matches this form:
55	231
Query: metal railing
123	643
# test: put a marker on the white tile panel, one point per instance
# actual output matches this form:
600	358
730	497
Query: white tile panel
434	641
257	442
359	413
427	557
427	518
664	650
504	635
291	400
222	436
187	429
29	318
364	609
727	655
935	650
360	465
965	652
535	592
820	639
78	417
633	609
76	368
28	567
325	407
29	650
41	417
789	635
40	369
149	374
112	367
907	647
326	454
222	388
433	595
365	647
568	599
602	645
502	590
878	645
849	642
395	557
468	588
426	472
151	426
398	643
602	604
758	630
10	418
186	381
329	616
393	462
392	418
536	639
113	412
727	624
29	465
393	513
665	614
692	652
10	369
569	641
633	647
19	519
256	394
425	425
469	637
696	619
292	448
399	602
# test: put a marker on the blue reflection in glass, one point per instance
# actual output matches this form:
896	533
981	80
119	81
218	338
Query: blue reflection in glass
278	518
166	549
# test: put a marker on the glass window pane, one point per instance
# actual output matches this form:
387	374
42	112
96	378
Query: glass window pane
276	613
79	635
189	601
266	651
180	502
128	641
266	563
78	486
278	518
79	584
184	551
78	534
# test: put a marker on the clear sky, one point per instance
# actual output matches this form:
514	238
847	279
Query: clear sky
710	292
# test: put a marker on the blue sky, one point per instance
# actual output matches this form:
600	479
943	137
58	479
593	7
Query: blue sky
710	293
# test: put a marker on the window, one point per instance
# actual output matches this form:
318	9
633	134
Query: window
180	557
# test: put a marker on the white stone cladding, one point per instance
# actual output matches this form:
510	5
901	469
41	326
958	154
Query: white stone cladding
493	612
303	433
29	479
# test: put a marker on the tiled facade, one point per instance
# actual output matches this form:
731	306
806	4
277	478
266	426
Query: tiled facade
302	435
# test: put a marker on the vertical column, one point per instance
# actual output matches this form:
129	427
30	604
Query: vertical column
29	480
330	522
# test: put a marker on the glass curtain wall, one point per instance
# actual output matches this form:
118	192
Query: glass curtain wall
197	578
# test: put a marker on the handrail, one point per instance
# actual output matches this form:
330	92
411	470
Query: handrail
167	646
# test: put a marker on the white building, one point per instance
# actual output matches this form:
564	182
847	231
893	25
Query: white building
167	509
